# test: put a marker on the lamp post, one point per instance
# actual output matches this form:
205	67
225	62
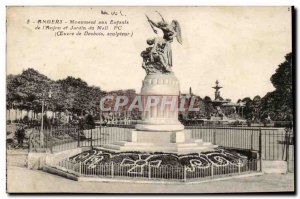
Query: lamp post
242	111
42	121
241	104
14	107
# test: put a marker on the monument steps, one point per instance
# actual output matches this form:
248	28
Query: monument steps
198	140
194	149
107	149
191	144
207	144
126	143
138	147
179	148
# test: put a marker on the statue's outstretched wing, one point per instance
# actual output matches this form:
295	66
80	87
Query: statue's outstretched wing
176	27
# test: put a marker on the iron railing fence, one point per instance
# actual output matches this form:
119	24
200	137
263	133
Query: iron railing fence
52	140
164	172
272	143
102	135
236	123
59	139
38	142
269	143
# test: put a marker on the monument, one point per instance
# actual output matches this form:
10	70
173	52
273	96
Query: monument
160	130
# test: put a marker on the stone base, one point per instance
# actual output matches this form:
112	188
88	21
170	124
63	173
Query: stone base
36	160
274	166
168	142
159	127
39	160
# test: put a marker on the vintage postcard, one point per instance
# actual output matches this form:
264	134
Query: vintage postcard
150	99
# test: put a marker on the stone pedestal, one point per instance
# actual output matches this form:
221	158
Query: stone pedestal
164	116
160	130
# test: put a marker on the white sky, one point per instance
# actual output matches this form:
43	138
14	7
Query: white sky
239	46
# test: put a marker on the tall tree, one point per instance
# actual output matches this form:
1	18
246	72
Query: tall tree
279	103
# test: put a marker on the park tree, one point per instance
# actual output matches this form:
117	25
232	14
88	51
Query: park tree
248	110
209	109
279	103
27	90
255	108
207	99
282	80
24	90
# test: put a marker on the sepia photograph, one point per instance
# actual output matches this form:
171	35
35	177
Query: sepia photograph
150	100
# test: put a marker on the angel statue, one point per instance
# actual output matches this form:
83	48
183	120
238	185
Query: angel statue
158	56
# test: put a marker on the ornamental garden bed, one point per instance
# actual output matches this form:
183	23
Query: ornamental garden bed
98	162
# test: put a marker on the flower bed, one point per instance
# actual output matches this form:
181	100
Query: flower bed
162	165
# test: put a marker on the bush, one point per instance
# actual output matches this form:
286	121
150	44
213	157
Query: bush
25	119
286	124
89	122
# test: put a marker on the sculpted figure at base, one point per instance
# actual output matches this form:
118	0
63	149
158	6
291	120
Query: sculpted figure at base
157	58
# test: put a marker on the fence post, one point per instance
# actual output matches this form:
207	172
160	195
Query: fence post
80	168
30	144
239	166
184	173
251	140
212	170
78	137
260	150
149	171
112	169
51	144
100	133
287	149
214	136
91	138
